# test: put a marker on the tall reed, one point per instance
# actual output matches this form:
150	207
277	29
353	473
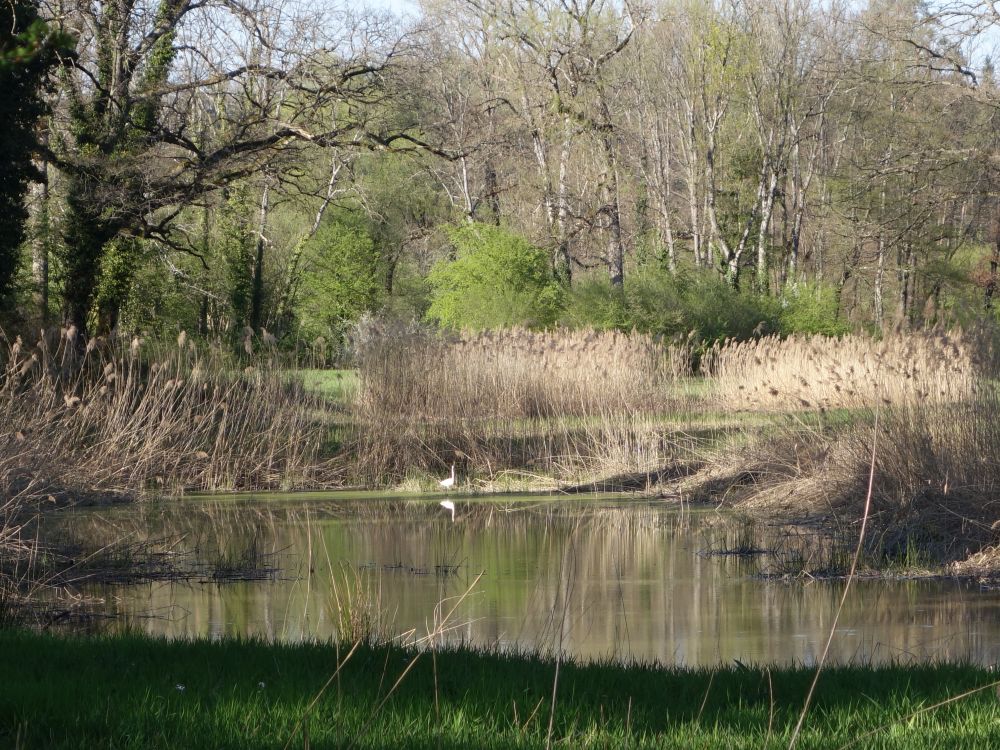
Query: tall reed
123	416
933	488
936	477
556	401
816	372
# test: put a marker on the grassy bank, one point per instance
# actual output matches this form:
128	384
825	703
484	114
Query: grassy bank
127	417
131	692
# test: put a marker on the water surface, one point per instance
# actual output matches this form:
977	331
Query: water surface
595	577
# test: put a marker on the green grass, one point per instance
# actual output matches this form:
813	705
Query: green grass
336	385
125	692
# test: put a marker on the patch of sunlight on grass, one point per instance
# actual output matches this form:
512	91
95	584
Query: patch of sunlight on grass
336	385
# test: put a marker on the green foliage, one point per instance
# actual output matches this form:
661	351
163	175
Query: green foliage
597	303
401	201
811	308
962	279
27	51
700	301
342	280
236	245
85	234
27	42
157	303
656	301
400	197
119	265
496	279
411	294
111	190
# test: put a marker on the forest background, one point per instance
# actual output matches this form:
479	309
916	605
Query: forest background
248	170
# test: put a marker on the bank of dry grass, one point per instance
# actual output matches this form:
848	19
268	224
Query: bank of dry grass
565	403
106	419
586	408
121	417
936	483
822	372
935	486
516	373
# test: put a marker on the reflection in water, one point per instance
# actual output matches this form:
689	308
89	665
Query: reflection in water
597	578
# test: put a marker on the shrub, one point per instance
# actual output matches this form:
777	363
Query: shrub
342	280
497	279
410	296
811	308
672	305
595	303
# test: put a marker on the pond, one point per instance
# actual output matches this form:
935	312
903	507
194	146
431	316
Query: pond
598	577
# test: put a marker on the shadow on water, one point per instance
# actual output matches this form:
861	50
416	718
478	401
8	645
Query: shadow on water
594	576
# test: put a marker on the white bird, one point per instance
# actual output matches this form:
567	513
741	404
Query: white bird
449	505
450	481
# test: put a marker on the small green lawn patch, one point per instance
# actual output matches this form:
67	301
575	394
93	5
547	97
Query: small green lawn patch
336	385
133	692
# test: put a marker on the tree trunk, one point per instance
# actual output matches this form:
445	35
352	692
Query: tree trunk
257	291
665	192
800	191
849	264
692	185
492	189
991	281
203	316
905	259
879	283
730	257
84	239
39	201
564	264
616	248
767	208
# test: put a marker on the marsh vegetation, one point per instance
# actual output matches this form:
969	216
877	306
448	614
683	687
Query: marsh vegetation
567	409
776	427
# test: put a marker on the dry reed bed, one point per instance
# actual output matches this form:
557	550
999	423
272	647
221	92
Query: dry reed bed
559	402
516	373
936	481
818	372
105	418
935	485
109	417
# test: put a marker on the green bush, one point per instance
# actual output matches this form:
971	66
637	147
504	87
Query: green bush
497	279
811	308
342	280
655	301
410	295
595	303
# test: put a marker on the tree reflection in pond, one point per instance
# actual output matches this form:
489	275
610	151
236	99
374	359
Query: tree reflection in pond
625	579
